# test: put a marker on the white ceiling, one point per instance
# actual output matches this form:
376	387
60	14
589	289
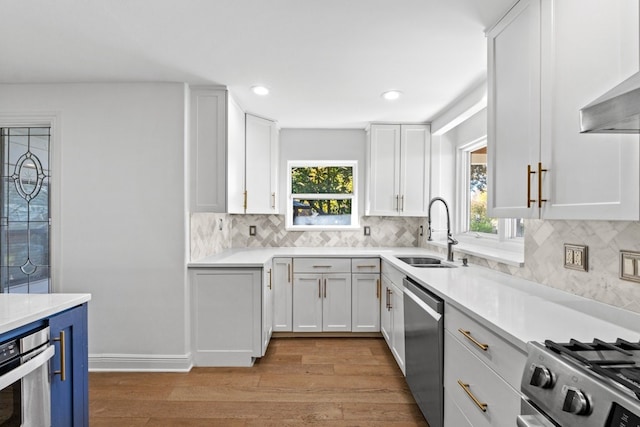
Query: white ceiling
325	61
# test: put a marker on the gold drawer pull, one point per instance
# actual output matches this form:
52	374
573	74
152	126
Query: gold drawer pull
321	266
480	405
367	266
63	359
467	334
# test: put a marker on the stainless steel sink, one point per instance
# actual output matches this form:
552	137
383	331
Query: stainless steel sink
425	262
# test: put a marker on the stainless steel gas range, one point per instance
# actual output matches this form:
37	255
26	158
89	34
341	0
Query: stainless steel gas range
570	384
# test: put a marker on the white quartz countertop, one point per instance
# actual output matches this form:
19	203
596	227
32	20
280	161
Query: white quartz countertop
17	310
519	310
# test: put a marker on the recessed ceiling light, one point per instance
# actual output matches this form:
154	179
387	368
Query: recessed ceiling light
260	90
391	95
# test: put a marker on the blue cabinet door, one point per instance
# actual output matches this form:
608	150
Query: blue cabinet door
69	396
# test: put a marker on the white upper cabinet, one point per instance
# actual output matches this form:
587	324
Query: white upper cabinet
514	109
235	159
398	170
548	59
588	46
207	147
261	173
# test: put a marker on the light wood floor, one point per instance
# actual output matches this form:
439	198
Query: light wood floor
300	381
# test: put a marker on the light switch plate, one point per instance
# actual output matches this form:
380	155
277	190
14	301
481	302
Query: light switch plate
575	257
630	266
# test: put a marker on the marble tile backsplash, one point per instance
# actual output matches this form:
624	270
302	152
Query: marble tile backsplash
210	234
544	256
271	232
544	247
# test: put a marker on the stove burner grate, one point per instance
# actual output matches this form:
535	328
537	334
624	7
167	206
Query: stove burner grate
622	371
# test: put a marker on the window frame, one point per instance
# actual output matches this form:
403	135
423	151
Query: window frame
507	227
355	217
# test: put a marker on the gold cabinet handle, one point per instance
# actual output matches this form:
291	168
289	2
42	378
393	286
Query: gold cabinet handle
288	273
480	405
325	288
270	281
389	307
467	334
319	289
397	202
378	289
529	173
63	357
540	170
321	266
244	204
367	266
273	200
401	203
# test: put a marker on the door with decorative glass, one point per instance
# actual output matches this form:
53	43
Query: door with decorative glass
24	210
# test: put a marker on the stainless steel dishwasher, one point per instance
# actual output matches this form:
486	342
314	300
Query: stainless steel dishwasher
424	339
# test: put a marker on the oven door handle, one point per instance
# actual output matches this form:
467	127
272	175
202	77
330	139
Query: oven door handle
533	421
26	368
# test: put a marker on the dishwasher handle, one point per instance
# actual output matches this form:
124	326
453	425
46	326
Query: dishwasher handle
431	300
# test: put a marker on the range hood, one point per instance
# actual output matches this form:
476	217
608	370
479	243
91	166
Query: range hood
617	111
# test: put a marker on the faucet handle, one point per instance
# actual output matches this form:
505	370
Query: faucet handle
465	261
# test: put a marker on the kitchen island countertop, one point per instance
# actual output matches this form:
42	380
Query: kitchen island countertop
17	310
519	310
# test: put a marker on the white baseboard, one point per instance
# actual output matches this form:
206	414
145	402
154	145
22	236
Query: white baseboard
140	362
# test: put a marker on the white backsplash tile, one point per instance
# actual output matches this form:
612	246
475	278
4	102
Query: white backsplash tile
210	234
270	232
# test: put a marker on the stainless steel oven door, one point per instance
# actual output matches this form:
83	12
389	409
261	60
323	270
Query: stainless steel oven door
27	389
531	417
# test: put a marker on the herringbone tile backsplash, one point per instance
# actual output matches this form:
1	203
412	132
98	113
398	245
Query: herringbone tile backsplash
544	247
270	232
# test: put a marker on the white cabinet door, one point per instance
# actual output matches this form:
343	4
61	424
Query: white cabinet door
207	149
336	303
385	311
235	158
283	294
415	160
397	325
307	302
267	306
384	170
261	166
365	303
398	170
588	47
224	334
513	132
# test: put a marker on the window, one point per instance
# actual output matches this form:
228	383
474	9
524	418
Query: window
322	195
474	218
24	210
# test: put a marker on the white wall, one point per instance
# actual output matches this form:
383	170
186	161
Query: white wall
119	212
322	144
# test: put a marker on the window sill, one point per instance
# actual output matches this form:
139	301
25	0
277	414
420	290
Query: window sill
511	253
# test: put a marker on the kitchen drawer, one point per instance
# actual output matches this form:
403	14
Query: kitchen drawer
453	416
462	366
395	276
322	265
507	360
365	265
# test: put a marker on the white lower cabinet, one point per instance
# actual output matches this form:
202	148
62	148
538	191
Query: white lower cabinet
480	368
267	305
392	314
282	295
226	316
322	302
365	302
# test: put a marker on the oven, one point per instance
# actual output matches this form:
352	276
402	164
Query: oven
582	384
25	387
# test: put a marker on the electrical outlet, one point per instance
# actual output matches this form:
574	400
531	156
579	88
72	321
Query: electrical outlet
252	230
367	230
630	266
575	257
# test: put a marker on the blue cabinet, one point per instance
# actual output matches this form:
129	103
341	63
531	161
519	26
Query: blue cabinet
69	368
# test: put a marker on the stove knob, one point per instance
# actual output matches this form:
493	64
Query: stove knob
576	402
541	377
